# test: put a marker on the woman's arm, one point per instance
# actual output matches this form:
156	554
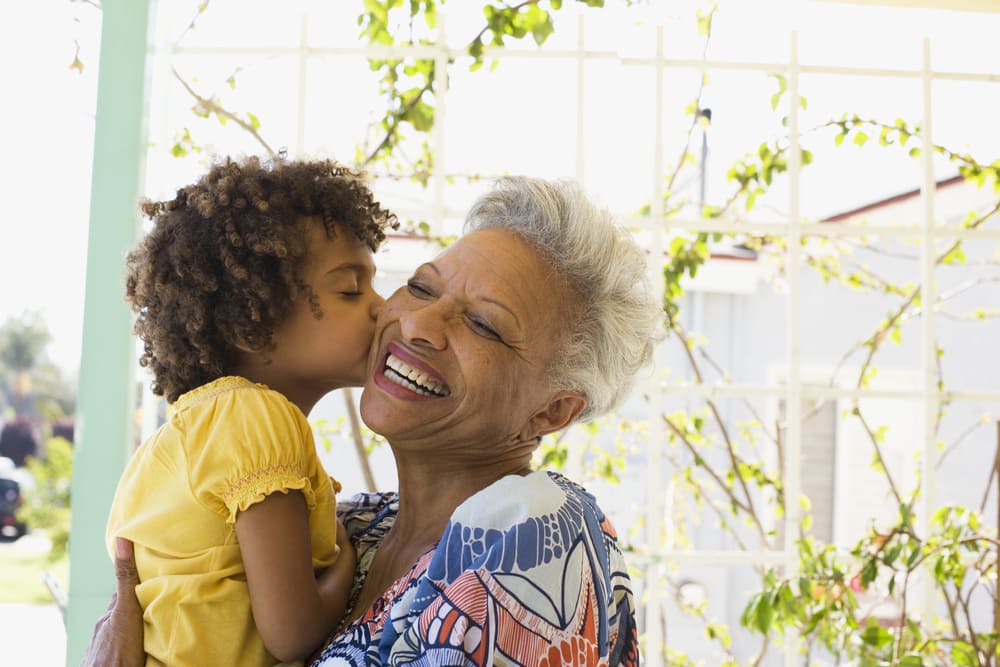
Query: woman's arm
294	612
117	640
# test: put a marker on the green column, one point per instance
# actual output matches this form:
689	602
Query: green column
106	402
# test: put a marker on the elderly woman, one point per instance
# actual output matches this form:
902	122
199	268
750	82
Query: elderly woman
539	316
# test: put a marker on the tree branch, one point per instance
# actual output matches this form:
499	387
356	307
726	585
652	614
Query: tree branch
730	447
711	473
878	453
211	106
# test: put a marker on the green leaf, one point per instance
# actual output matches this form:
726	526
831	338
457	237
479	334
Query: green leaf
860	138
254	121
539	22
868	573
704	23
954	256
476	48
963	655
763	616
911	660
877	636
421	117
430	14
782	87
815	620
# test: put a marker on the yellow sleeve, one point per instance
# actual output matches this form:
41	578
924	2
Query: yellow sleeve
245	444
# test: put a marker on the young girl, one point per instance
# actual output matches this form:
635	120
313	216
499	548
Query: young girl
254	299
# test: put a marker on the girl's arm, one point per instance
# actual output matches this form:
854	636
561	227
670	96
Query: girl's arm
293	611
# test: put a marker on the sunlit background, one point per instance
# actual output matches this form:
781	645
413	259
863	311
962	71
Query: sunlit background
658	111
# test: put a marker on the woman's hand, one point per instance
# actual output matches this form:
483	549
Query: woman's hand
117	640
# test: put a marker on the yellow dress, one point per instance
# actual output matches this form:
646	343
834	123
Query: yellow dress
227	445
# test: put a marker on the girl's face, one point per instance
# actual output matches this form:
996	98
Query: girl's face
315	355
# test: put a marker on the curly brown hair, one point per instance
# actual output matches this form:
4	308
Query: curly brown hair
222	263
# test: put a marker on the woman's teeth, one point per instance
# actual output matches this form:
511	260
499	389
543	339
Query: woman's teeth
414	380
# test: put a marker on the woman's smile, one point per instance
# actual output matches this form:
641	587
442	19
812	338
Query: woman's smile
402	370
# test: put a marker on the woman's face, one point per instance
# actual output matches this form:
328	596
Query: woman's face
461	351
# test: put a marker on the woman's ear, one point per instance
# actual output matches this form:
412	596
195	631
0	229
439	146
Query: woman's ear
561	410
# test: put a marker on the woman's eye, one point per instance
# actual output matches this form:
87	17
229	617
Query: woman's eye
483	329
418	290
351	294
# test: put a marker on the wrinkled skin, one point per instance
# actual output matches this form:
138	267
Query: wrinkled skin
117	640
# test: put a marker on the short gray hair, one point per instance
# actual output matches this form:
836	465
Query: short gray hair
618	318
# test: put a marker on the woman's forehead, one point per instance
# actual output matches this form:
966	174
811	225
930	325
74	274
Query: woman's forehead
490	254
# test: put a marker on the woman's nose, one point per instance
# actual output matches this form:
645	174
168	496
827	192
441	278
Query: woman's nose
425	325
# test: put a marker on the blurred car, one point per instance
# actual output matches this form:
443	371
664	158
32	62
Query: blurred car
10	500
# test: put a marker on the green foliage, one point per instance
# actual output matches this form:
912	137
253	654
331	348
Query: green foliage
600	447
823	603
47	506
370	440
408	85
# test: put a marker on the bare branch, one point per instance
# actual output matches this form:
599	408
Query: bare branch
730	446
202	6
697	110
958	441
878	453
211	106
394	123
711	473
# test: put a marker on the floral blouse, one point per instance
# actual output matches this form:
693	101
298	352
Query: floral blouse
527	572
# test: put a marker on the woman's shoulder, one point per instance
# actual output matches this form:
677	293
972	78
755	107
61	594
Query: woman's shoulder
521	523
517	498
